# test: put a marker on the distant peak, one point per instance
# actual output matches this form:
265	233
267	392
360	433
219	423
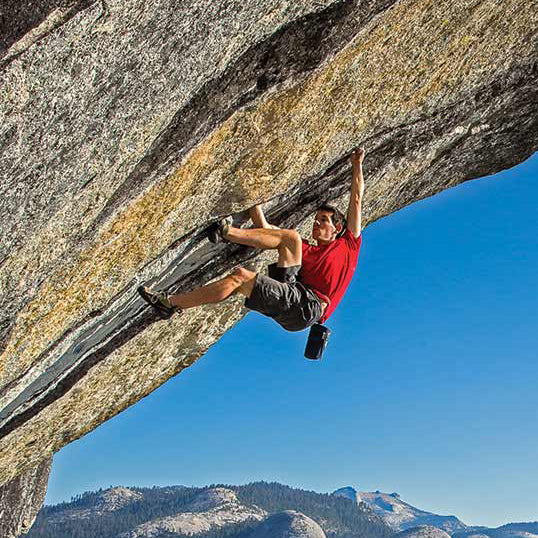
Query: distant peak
349	492
117	497
400	515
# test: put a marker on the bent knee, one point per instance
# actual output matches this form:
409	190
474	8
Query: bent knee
292	237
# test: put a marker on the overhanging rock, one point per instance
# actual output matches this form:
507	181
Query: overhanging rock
21	499
128	127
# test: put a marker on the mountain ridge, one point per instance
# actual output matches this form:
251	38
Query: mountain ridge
216	510
398	514
255	510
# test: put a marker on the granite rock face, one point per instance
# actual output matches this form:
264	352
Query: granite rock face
212	509
128	127
400	515
288	524
21	498
349	492
423	531
111	500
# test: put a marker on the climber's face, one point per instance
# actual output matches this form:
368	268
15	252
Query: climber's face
324	231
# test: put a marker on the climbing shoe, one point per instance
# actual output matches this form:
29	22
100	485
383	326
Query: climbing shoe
159	301
219	229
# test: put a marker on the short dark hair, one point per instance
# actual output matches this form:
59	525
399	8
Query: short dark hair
336	216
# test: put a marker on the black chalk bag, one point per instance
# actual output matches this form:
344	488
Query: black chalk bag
317	341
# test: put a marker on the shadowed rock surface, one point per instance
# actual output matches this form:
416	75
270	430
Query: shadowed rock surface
24	22
128	127
348	492
21	498
423	531
288	524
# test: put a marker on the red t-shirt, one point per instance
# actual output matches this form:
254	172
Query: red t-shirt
327	269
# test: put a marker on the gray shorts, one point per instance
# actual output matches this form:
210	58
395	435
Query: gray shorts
279	296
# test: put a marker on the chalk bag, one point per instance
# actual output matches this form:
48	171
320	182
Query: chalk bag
317	341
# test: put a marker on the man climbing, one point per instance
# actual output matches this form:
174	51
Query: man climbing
307	282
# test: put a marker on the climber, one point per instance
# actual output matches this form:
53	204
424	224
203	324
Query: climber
306	283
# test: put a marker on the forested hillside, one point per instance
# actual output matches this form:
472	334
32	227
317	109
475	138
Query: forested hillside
117	511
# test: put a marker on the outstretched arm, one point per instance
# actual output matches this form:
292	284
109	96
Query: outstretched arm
258	218
357	190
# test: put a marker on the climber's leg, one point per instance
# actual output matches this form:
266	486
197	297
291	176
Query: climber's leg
289	246
240	279
287	242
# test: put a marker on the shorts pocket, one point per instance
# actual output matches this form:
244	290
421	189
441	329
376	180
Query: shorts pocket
311	311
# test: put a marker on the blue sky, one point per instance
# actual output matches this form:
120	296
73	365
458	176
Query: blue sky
427	388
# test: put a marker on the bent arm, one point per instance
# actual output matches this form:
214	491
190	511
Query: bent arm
354	224
258	218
